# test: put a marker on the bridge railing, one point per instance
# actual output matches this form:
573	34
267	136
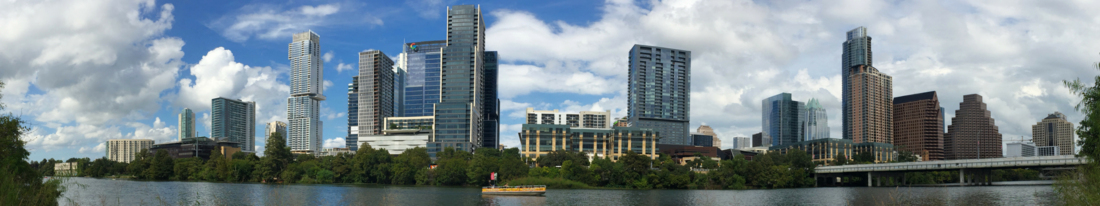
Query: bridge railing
1010	162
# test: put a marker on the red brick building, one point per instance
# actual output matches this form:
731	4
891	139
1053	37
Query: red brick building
972	134
918	125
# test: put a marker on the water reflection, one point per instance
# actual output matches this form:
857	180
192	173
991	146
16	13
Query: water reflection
87	191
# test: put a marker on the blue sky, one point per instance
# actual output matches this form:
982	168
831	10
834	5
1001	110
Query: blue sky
82	72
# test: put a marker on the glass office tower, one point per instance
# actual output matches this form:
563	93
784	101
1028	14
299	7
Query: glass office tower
491	109
352	140
458	113
783	119
660	92
306	93
234	121
421	63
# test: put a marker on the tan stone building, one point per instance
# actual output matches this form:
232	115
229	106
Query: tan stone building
1054	130
540	139
706	130
123	150
972	134
871	106
918	125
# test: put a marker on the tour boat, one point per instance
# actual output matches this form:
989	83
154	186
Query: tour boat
522	190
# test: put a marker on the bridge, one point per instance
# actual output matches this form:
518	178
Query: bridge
978	169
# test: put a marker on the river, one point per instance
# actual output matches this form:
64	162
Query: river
91	191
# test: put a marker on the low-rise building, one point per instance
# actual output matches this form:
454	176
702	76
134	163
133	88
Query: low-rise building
540	139
684	153
66	169
741	142
336	151
585	119
1046	150
1020	149
402	133
201	147
828	149
702	140
124	150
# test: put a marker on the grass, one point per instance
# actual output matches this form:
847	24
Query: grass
551	183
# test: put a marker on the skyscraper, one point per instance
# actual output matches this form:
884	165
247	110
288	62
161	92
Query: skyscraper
972	133
871	105
186	124
458	115
1054	130
491	110
783	119
375	92
817	121
918	125
741	142
421	61
659	92
306	92
351	141
234	121
275	127
857	51
399	74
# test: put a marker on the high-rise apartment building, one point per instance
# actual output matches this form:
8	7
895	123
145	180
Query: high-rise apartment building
972	133
659	92
275	127
491	104
857	51
124	150
234	121
584	119
817	121
186	124
422	62
741	142
352	140
783	119
306	93
704	129
1054	130
871	105
375	92
458	114
918	125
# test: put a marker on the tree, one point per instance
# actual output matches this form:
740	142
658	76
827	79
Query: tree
485	162
864	158
408	164
276	158
906	156
20	184
1084	188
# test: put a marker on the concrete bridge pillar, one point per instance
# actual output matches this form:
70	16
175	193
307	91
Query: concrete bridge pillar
962	177
869	180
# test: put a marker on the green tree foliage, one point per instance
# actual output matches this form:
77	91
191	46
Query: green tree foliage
187	169
408	164
1083	188
485	161
276	158
451	169
20	184
906	156
557	157
863	158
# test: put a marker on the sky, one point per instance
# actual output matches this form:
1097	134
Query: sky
82	72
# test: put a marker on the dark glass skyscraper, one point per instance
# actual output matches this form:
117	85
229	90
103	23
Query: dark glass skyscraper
351	142
659	92
458	116
491	133
783	119
399	91
857	51
421	61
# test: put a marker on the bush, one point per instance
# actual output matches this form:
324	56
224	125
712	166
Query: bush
551	183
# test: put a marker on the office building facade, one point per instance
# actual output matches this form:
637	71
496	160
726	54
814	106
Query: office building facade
306	92
918	125
972	133
186	124
702	140
458	114
398	102
421	61
351	141
761	139
1020	149
817	121
870	105
829	150
1054	130
540	139
741	142
584	119
124	150
490	136
234	121
275	127
704	129
784	120
375	92
857	51
659	92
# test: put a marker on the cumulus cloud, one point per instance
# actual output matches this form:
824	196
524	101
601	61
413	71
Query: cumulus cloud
429	9
342	67
272	22
218	75
328	56
83	135
1013	53
335	143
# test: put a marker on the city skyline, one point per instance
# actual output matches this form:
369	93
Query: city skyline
246	64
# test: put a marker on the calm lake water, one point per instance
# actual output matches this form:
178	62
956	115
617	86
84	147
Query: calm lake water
90	191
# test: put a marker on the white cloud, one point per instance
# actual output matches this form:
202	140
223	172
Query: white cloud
97	149
218	75
328	56
1013	53
342	67
326	84
335	143
272	22
429	9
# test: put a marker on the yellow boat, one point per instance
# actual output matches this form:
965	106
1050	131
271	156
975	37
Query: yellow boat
522	190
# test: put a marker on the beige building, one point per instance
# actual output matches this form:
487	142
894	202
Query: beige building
123	150
65	169
336	151
275	127
871	108
540	139
706	130
585	119
1054	130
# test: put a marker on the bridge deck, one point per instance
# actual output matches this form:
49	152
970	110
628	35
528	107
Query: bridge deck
1011	162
